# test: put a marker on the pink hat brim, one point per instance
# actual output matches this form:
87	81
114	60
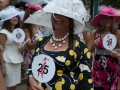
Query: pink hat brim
96	20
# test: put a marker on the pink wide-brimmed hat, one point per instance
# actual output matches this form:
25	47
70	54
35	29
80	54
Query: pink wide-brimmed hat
105	11
33	6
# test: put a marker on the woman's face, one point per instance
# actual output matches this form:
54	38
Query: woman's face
14	20
59	21
108	21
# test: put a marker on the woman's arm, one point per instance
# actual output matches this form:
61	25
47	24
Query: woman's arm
2	84
92	41
118	40
3	39
30	44
113	53
30	80
85	35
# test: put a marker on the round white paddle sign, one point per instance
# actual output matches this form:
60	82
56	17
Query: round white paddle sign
18	35
109	41
43	68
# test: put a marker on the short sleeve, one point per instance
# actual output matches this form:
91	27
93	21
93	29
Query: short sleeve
3	31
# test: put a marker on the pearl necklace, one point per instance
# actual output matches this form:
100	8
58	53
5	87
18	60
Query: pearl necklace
58	42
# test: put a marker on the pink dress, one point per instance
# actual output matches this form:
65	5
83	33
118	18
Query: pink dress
105	69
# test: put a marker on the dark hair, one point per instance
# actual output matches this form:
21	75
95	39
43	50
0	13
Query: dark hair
27	25
12	2
72	25
7	25
21	4
119	26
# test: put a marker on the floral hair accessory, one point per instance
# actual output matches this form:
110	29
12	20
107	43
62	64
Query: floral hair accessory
33	6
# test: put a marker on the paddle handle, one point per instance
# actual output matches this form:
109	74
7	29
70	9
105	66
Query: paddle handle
40	84
26	41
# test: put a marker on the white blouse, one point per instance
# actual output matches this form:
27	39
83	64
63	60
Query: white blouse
11	53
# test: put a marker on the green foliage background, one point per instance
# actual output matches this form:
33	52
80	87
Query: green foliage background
114	3
89	4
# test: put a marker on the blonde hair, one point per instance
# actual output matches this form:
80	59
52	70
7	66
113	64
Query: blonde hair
101	27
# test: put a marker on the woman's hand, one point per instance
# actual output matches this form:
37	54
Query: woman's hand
4	72
34	84
21	48
114	54
97	41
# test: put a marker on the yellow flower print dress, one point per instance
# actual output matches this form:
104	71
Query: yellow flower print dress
73	67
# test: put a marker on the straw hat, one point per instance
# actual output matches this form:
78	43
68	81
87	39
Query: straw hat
8	13
70	8
105	11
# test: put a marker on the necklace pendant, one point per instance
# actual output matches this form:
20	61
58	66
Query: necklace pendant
51	41
55	47
64	42
60	45
60	40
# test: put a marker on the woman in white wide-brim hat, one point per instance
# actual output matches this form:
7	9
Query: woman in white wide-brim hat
11	57
70	54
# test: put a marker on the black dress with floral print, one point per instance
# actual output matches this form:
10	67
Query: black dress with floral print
73	67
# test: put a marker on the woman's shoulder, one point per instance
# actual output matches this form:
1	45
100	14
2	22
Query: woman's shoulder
79	42
93	31
4	31
81	48
117	34
44	39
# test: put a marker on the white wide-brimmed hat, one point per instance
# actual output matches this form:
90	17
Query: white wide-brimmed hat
9	13
70	8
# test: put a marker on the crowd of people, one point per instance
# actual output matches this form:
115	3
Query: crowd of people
56	31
